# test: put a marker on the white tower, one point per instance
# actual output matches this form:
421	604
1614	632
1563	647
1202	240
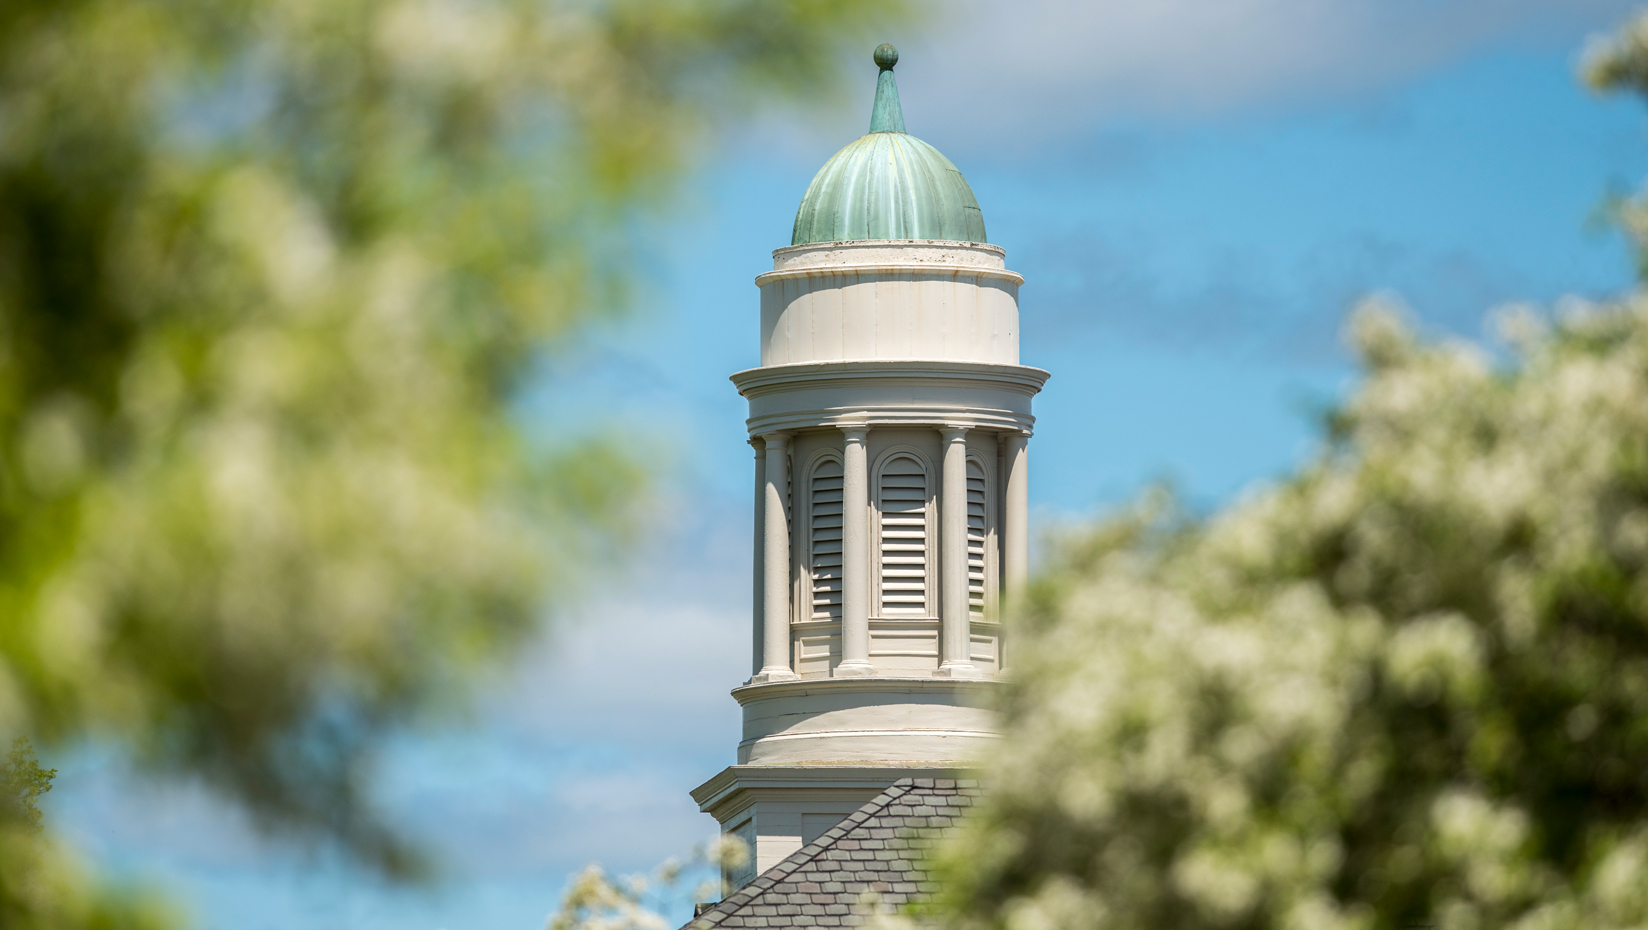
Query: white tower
890	418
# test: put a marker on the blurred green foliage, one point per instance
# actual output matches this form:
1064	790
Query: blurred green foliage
38	888
271	274
1407	687
22	782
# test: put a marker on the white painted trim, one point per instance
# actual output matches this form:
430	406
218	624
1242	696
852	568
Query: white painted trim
925	252
901	271
753	382
886	684
970	417
967	733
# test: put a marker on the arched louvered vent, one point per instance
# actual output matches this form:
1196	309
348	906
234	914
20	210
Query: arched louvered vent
902	496
975	537
825	525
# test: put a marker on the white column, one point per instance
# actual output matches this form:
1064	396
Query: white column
775	662
758	555
1015	574
956	636
855	556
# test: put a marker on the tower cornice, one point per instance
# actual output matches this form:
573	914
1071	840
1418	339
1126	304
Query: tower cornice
891	393
768	379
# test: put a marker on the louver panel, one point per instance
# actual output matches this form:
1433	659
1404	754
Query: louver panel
975	538
825	524
903	500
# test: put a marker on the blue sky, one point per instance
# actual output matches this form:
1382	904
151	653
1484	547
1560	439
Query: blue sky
1195	191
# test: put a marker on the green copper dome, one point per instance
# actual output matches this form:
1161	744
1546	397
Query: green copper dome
888	184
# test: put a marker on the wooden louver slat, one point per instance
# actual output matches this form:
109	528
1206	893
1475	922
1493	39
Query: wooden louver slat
825	525
903	504
975	537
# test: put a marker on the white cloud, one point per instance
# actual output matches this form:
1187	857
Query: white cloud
1039	68
651	662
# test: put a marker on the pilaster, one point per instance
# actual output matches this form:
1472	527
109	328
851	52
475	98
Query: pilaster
1015	574
855	556
956	612
775	664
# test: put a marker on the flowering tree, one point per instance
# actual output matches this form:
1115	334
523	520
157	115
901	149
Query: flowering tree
1406	687
271	275
596	901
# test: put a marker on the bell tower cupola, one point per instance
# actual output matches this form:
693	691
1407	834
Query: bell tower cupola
890	419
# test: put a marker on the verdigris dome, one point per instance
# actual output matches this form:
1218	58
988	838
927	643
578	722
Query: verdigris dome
888	184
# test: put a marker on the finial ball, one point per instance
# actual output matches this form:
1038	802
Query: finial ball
886	56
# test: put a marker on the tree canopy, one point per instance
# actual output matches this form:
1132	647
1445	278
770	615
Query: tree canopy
272	273
1405	687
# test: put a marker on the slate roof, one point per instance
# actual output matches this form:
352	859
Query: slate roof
874	858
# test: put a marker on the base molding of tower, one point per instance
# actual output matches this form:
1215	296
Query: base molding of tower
876	720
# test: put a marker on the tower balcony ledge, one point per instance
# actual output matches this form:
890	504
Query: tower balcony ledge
938	372
874	684
895	393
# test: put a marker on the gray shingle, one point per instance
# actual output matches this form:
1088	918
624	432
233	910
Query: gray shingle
874	857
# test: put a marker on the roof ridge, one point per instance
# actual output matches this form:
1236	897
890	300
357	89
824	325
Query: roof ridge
800	857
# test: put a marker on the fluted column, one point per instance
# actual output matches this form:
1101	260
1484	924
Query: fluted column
1015	569
758	552
855	556
775	662
956	635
